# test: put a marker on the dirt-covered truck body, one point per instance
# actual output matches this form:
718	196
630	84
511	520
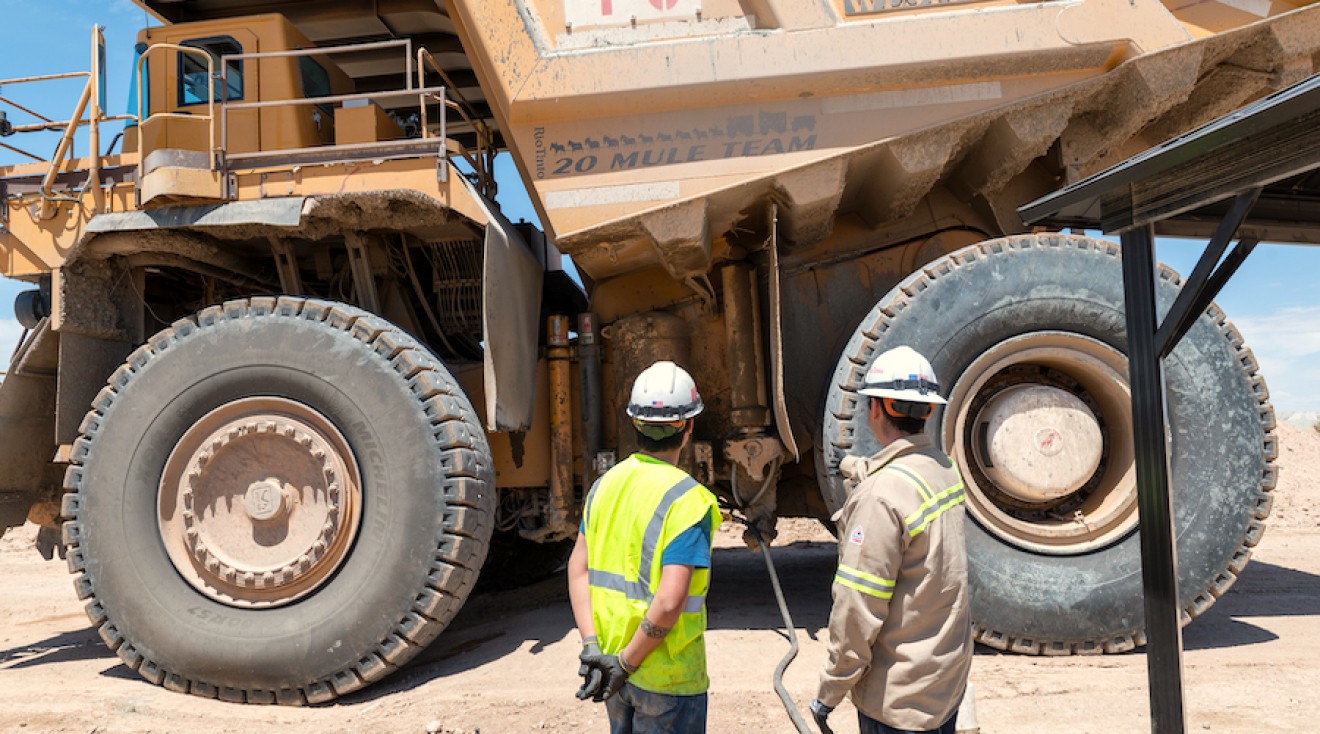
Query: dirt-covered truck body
292	381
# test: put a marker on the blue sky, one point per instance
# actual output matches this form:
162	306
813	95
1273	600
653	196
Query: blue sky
1274	299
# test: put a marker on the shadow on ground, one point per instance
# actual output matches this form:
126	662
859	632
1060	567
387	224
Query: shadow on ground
1262	590
83	644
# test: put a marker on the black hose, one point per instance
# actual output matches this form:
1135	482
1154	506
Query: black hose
789	706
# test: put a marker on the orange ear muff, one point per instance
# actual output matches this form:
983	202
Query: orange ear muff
906	409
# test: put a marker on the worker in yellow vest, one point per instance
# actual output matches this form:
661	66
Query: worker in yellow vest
639	573
900	635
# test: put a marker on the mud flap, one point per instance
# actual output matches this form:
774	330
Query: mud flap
511	307
27	425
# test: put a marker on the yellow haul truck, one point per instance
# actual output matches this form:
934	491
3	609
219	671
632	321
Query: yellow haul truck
291	381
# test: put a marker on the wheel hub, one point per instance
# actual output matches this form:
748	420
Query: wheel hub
259	502
1029	420
1039	443
267	499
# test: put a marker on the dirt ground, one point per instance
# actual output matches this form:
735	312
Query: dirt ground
508	663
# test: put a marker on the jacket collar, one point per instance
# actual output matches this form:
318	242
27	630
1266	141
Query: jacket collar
906	445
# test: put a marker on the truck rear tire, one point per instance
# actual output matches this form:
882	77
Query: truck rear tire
1016	323
277	501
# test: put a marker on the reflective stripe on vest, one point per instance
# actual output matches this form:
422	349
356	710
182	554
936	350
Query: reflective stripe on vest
635	510
634	590
586	507
640	588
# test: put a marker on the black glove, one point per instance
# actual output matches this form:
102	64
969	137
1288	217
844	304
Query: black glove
613	678
821	713
590	672
603	675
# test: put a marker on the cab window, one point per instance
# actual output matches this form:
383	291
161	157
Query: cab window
315	83
193	71
133	91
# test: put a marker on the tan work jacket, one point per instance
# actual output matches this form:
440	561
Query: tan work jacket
900	635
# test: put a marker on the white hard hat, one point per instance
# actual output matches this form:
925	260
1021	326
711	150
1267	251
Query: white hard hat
664	393
902	374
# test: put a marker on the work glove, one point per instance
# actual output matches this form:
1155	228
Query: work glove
613	676
821	713
590	671
603	675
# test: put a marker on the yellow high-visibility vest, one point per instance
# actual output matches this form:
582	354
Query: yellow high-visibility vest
632	514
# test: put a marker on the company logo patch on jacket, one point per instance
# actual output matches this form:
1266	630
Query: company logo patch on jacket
857	536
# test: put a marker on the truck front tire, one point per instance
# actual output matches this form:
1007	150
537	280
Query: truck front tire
1032	326
277	500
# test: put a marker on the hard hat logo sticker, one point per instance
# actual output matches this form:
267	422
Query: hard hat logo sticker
857	536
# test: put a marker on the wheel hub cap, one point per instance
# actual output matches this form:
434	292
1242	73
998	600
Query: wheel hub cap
1033	421
267	499
259	502
1040	443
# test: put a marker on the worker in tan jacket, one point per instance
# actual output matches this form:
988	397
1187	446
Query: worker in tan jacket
900	635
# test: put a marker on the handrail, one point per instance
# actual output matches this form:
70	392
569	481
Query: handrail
44	77
323	153
20	151
331	98
210	97
481	161
90	93
225	106
62	124
90	96
21	108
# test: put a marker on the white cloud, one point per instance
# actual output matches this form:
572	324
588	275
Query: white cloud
10	331
1294	331
1287	345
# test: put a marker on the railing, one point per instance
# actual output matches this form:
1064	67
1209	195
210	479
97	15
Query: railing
483	163
90	96
214	150
46	122
328	153
481	160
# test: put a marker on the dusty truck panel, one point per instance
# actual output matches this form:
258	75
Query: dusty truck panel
705	109
297	370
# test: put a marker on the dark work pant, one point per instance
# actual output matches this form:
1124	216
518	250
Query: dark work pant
871	726
634	711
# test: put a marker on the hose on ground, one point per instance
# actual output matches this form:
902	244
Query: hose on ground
789	706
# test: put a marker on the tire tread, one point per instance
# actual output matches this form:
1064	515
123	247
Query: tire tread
840	439
466	501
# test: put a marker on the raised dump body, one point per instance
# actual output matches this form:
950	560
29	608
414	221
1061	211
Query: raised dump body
284	337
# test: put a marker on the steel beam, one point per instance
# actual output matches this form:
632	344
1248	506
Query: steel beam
1206	281
1159	560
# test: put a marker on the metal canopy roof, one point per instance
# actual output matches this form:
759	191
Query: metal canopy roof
1252	175
1183	186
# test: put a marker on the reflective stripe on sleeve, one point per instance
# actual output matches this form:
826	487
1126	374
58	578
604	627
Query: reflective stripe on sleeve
933	508
914	479
864	582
